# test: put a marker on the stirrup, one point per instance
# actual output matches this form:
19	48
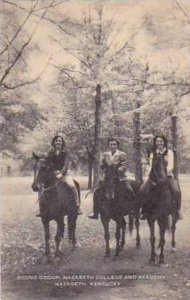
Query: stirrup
79	211
93	217
143	216
179	215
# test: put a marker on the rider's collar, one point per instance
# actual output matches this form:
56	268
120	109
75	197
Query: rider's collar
59	150
116	153
160	152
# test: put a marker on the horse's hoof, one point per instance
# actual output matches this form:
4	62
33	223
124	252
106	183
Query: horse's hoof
116	257
73	247
106	257
138	246
46	259
121	247
57	258
161	261
174	249
58	253
152	262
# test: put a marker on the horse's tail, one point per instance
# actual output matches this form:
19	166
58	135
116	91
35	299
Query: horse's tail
169	224
131	220
77	185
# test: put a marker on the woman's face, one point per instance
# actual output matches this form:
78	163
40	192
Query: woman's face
113	146
58	143
159	143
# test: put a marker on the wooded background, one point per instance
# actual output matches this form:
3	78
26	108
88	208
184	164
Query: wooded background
91	70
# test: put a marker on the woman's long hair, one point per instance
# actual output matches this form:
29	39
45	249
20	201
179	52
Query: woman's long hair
154	147
55	138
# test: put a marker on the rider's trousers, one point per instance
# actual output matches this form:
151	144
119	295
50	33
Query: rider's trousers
70	182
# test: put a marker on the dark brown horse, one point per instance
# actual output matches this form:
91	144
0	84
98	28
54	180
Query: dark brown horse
56	201
113	204
160	206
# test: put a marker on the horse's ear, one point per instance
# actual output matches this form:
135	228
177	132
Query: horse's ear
36	157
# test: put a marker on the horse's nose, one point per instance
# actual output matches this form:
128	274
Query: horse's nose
34	187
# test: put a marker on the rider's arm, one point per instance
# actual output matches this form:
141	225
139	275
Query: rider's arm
170	162
103	161
66	164
123	163
103	164
150	162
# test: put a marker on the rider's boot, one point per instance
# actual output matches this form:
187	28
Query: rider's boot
143	214
179	215
38	213
93	216
79	211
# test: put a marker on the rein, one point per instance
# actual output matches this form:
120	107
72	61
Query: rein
91	190
155	172
46	189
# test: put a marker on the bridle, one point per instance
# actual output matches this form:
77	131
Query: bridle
155	172
42	188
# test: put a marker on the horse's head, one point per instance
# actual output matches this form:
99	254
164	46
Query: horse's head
159	170
42	172
111	175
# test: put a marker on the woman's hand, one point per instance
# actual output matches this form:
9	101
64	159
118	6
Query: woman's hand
58	174
120	170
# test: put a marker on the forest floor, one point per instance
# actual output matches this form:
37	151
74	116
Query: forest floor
84	273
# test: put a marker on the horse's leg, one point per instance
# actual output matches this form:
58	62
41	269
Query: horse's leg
117	236
105	223
47	235
174	221
59	234
152	239
123	230
137	223
162	227
71	229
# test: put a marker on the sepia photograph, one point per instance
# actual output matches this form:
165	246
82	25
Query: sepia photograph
95	149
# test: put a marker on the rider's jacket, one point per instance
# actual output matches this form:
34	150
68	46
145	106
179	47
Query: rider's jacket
118	159
59	160
168	157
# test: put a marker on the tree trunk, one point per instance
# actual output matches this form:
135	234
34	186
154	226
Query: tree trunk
90	169
98	116
137	146
175	145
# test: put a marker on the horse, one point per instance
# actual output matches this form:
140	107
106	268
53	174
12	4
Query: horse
160	206
56	201
113	204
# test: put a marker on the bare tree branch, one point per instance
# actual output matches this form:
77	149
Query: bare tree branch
62	68
181	8
34	7
12	87
13	47
52	5
186	92
82	61
7	71
57	24
17	32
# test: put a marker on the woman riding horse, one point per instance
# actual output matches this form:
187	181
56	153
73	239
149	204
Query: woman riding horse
116	197
117	160
58	158
160	148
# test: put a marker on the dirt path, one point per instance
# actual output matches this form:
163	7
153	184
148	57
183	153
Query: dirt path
84	274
